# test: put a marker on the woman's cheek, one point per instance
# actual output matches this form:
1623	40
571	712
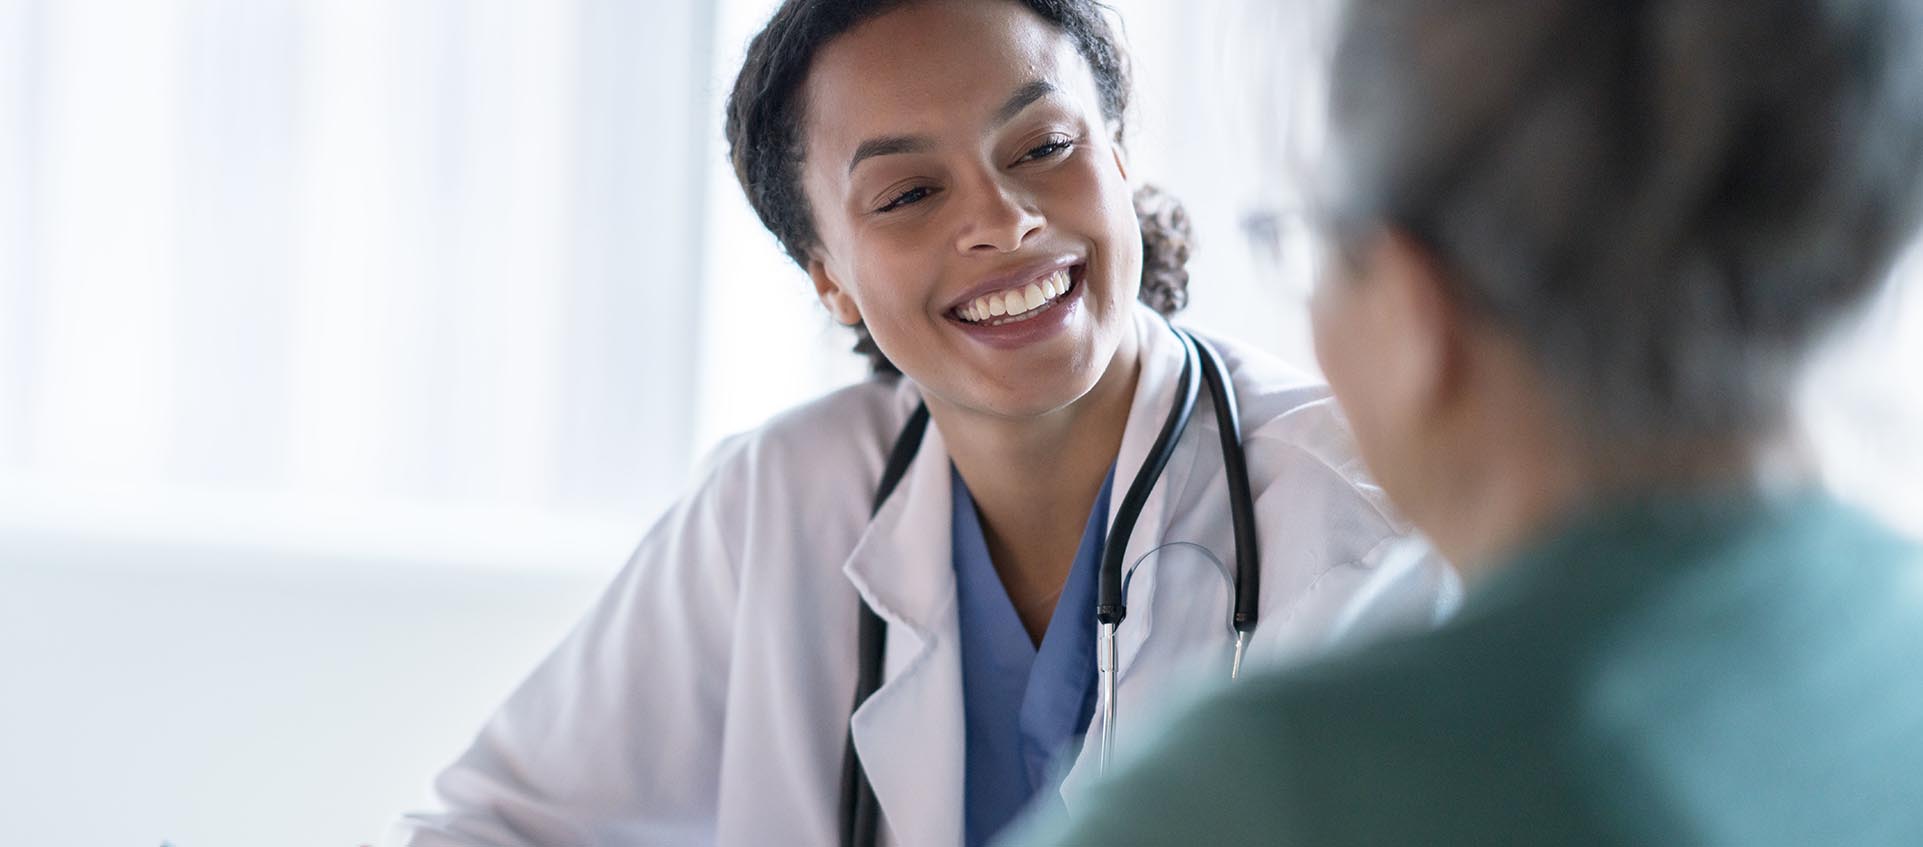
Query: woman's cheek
1338	336
897	289
1339	319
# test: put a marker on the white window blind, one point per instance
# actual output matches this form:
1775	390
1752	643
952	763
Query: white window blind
412	274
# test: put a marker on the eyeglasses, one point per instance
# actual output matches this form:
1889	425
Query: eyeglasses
1290	248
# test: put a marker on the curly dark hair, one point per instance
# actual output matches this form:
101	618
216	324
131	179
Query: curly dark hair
765	120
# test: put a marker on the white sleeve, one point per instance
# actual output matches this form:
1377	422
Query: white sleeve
616	736
1400	586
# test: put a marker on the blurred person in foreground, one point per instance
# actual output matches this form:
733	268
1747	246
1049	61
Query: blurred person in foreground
1578	254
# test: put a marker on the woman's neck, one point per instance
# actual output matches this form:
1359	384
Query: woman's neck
1035	479
1526	494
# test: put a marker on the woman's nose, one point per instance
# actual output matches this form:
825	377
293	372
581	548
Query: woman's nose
999	220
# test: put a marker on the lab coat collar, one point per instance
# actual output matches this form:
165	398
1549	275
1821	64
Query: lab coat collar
1161	358
901	567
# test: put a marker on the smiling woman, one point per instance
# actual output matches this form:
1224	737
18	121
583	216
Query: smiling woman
952	177
767	139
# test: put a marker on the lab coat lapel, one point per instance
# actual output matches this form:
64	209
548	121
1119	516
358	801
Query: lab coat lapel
1155	395
909	734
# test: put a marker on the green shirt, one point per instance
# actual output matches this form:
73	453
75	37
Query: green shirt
1685	671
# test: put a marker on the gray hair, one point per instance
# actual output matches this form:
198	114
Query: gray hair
1667	202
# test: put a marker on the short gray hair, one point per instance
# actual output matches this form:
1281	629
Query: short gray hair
1668	202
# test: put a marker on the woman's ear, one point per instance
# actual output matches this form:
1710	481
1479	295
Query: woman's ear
1430	358
834	297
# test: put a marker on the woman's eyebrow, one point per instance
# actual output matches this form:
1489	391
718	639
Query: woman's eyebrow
1022	99
889	146
896	144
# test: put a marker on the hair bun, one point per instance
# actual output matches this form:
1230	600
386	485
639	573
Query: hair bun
1167	240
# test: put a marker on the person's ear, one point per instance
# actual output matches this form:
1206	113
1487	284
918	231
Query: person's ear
1428	361
833	295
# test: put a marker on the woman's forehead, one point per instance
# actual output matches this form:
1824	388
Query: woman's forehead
934	68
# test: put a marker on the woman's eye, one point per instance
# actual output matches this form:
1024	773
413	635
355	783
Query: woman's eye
911	196
1047	151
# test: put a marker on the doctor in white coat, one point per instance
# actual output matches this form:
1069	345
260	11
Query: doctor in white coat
951	176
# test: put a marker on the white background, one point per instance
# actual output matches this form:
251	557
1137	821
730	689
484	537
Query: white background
346	347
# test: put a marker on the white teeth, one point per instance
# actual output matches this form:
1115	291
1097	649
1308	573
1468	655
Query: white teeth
1016	303
1056	285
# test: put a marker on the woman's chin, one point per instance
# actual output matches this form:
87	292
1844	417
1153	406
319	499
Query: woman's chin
1029	383
1027	395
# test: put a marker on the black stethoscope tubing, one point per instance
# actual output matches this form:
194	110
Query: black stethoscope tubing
860	811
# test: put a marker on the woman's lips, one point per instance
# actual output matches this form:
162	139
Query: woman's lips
1030	325
1018	302
1016	278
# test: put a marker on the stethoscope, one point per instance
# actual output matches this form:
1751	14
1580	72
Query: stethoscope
859	808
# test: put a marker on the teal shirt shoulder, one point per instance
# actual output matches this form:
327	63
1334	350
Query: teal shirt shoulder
1741	670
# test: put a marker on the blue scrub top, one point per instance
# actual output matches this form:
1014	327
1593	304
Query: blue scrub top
1024	705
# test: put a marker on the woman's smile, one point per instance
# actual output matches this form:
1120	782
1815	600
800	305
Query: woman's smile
1021	313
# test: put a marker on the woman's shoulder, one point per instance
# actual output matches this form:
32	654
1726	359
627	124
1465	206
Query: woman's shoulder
805	477
1290	416
851	427
1266	387
1346	568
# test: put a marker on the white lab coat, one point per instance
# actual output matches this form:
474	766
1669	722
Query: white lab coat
705	699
